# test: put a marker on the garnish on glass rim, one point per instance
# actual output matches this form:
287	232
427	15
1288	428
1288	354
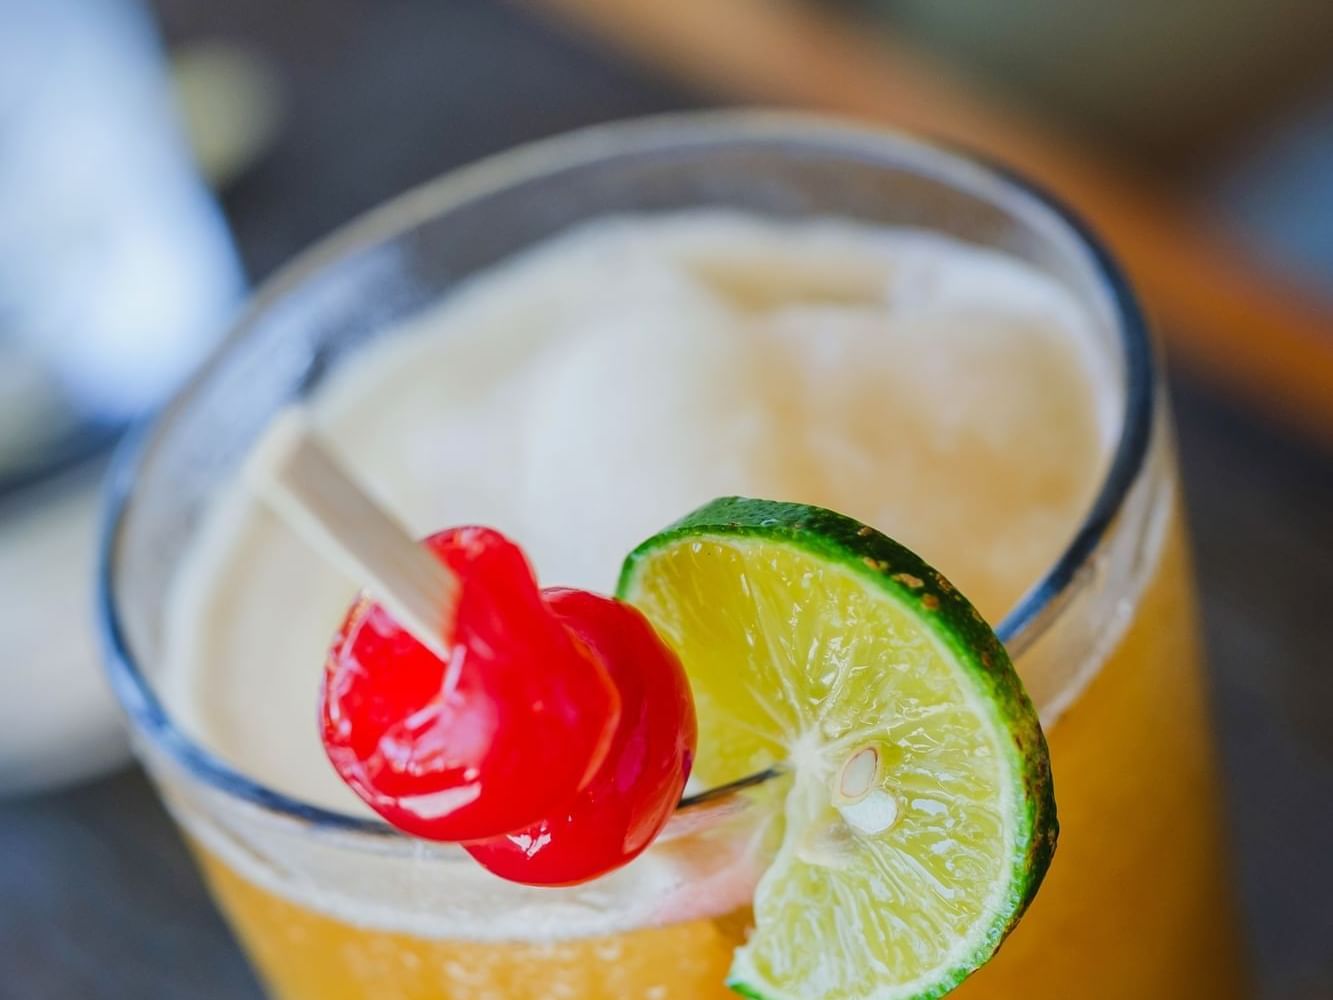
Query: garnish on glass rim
552	731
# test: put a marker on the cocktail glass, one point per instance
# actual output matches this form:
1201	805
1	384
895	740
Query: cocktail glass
1137	903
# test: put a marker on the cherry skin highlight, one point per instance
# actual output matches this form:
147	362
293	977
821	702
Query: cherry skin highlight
635	790
508	731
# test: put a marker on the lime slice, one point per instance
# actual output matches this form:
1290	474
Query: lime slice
920	818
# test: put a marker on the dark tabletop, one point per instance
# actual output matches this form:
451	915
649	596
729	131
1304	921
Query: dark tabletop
97	897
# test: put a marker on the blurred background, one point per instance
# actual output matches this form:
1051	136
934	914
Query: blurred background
157	159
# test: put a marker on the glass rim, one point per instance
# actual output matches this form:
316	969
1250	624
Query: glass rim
958	166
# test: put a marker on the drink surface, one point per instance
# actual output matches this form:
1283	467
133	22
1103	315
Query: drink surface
583	395
587	393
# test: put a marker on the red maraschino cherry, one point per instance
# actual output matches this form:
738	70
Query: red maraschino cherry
633	793
486	707
503	734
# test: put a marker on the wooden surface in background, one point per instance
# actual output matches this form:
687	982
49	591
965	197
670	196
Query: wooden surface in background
98	898
1247	330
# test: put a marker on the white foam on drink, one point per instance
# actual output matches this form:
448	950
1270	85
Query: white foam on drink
590	391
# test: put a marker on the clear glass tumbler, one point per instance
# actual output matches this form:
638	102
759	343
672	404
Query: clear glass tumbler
1137	903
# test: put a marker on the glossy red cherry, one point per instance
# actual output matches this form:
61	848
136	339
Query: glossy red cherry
635	790
506	732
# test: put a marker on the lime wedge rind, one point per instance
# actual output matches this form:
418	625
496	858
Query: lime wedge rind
994	693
